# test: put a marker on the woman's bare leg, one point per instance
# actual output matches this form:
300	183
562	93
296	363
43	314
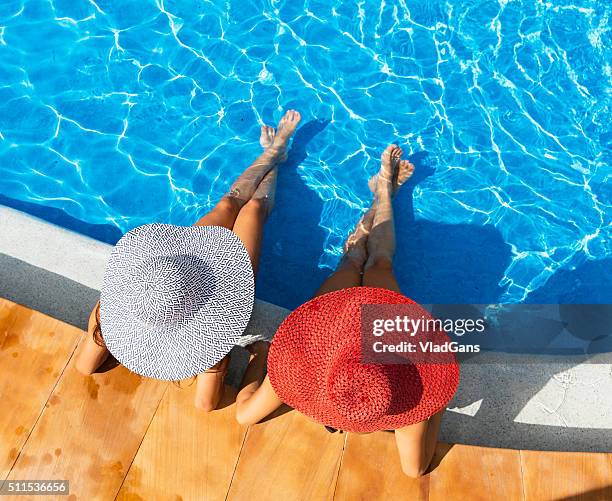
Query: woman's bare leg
226	211
416	445
348	273
401	173
252	217
92	353
275	151
209	386
247	222
223	214
378	270
351	268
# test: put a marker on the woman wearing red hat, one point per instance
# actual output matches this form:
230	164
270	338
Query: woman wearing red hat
315	360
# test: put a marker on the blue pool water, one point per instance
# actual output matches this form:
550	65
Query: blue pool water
115	113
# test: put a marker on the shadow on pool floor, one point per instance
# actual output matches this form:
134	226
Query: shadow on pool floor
445	263
293	229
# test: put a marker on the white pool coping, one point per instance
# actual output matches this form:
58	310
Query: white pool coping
36	242
512	401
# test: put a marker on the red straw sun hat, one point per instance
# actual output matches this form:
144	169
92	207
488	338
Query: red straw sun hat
315	366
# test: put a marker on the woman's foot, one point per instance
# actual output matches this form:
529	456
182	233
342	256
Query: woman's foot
392	165
404	172
389	162
276	141
267	136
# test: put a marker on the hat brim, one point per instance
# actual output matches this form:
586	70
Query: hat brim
301	354
177	352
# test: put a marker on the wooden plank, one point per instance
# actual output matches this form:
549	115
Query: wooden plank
371	470
287	457
7	317
567	475
90	431
477	473
186	454
34	349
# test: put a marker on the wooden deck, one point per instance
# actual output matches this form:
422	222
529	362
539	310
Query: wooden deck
118	436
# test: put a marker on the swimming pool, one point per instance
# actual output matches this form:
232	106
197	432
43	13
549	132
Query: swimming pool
119	113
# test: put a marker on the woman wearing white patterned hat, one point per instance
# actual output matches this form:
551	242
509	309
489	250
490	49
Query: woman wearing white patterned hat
176	299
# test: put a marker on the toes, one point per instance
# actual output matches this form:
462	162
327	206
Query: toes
393	152
267	136
289	121
390	153
292	116
283	120
405	171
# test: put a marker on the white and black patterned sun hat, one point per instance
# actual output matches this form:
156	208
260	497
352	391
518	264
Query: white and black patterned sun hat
175	299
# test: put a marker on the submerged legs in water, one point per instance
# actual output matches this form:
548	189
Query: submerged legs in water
275	143
359	245
244	210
